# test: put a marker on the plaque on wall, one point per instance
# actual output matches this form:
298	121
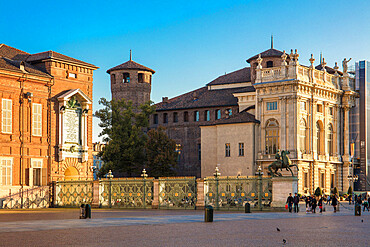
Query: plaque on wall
73	126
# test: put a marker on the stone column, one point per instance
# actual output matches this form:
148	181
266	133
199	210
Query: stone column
96	193
283	125
200	194
291	118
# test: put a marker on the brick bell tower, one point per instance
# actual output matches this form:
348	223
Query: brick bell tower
131	81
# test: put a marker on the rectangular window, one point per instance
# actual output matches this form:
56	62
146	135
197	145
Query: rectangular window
207	115
218	114
332	181
36	172
322	180
6	116
165	118
331	111
155	119
303	105
196	116
141	77
72	75
6	171
241	149
227	150
186	116
36	119
126	77
175	117
272	106
319	108
305	179
199	152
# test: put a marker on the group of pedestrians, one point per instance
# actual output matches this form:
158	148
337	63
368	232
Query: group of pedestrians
365	203
312	202
293	202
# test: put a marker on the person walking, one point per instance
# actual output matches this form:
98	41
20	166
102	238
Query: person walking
289	201
295	203
334	202
328	200
314	204
320	204
366	205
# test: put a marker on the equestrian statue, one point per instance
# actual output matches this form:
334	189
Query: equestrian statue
282	161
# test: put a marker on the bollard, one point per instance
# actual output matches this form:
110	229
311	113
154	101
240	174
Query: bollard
87	211
208	214
82	211
357	210
247	208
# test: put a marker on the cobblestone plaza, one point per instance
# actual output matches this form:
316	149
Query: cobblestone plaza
61	227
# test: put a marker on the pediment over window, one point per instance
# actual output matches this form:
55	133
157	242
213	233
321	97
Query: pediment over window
78	94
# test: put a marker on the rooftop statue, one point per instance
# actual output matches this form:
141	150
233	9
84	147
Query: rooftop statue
282	161
345	64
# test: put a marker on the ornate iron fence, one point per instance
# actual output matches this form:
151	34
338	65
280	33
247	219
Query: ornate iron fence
27	198
73	193
231	193
126	193
177	193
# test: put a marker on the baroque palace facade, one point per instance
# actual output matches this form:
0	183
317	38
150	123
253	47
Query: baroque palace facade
240	120
46	119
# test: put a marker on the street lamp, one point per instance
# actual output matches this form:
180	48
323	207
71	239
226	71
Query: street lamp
110	176
144	175
259	173
217	174
352	179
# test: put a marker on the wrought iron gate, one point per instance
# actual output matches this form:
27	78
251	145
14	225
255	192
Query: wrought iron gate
177	193
126	193
231	193
73	193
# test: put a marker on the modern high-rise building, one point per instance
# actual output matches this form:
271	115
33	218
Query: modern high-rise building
361	128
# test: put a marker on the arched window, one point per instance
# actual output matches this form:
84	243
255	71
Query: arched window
319	144
272	136
269	64
303	136
330	139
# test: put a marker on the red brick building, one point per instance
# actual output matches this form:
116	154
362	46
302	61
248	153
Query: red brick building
45	118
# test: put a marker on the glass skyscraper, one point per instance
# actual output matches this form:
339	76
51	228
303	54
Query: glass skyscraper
360	127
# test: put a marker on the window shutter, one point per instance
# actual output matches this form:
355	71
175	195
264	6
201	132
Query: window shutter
44	174
27	176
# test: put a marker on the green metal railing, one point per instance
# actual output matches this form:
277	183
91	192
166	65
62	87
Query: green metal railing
73	193
177	193
231	193
126	193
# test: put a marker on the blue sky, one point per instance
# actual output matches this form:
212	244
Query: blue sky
187	43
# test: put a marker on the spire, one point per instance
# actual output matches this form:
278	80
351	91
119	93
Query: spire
130	55
320	57
272	41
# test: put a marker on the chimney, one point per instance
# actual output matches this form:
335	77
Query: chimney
164	99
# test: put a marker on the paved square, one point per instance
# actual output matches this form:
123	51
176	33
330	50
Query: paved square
61	227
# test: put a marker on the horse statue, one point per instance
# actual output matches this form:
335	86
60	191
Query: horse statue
282	161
